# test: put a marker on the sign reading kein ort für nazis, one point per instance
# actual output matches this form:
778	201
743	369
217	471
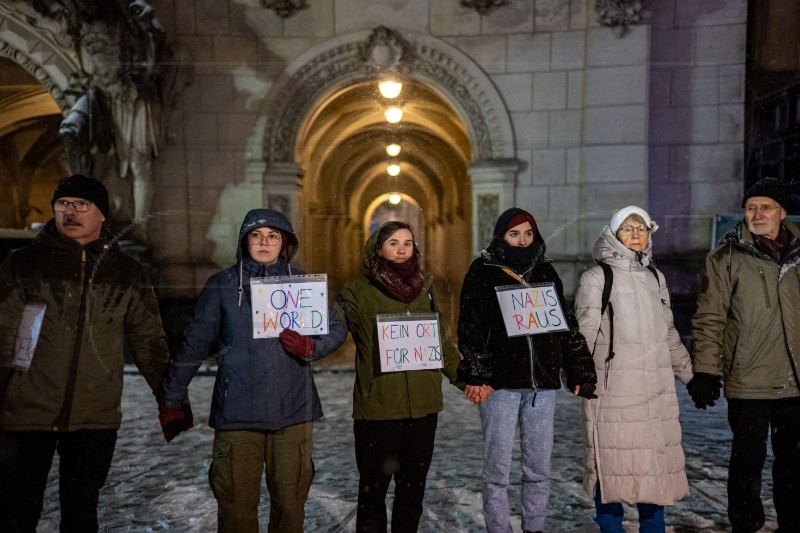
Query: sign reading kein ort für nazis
409	342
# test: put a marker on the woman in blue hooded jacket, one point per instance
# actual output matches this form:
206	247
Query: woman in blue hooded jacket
264	396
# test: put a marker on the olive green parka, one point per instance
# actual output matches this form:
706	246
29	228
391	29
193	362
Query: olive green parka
746	326
391	395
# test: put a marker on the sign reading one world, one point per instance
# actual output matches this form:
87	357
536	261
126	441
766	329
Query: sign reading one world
409	342
289	302
530	310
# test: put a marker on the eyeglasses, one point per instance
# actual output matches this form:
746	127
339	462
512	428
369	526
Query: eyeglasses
766	209
81	206
628	229
271	238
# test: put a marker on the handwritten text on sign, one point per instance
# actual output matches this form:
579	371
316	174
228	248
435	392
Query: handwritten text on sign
409	342
531	310
289	302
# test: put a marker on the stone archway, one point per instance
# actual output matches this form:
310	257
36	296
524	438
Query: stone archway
102	65
323	157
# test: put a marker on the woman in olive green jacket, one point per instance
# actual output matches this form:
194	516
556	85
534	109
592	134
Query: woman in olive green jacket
395	412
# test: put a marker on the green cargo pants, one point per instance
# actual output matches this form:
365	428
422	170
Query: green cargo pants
237	464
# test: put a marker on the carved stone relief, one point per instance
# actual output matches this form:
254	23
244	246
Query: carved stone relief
279	202
488	207
285	8
619	14
101	63
483	6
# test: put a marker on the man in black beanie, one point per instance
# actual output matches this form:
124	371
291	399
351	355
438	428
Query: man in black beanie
80	205
67	303
746	330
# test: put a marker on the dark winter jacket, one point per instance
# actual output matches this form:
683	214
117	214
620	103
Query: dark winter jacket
259	385
96	297
491	357
746	325
391	395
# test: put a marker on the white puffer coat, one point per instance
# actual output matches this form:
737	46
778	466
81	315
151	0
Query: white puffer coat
631	433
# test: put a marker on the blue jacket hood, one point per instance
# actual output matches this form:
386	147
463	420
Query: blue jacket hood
263	218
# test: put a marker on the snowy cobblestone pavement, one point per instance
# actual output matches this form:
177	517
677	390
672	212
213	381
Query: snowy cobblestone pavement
155	486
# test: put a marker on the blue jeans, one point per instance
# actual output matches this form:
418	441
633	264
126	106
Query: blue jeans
609	516
500	413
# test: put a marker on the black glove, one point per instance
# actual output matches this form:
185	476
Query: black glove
704	389
175	421
587	391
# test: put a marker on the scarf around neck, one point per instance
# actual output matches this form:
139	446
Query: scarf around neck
401	281
774	248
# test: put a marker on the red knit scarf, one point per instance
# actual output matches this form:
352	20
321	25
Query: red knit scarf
401	281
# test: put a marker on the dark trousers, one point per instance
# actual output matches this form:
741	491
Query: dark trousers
751	422
25	461
386	448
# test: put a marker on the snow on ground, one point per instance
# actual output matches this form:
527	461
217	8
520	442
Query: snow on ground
155	486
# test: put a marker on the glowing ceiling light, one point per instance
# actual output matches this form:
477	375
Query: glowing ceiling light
393	115
390	88
393	170
394	199
393	150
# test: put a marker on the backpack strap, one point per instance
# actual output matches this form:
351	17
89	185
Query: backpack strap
652	269
608	276
605	304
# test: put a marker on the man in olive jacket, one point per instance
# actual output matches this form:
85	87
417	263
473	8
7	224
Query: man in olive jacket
746	328
61	383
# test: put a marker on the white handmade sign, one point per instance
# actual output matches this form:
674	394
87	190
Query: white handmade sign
409	342
28	335
289	302
530	310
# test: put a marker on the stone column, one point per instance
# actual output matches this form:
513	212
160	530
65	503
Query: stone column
493	188
282	191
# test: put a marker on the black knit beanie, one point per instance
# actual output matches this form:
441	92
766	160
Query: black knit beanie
86	188
770	188
513	217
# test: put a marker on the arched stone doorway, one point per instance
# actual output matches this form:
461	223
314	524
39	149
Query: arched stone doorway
325	160
32	150
342	150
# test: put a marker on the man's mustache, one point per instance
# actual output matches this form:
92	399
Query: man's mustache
72	221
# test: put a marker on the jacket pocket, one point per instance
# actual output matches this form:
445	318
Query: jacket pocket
740	355
10	388
220	473
306	471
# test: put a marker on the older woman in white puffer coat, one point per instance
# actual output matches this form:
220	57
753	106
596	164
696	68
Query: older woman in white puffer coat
632	436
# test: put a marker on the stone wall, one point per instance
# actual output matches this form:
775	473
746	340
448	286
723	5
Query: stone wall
654	117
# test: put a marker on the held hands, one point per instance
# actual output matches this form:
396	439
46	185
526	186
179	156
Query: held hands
477	393
175	421
586	391
704	389
297	345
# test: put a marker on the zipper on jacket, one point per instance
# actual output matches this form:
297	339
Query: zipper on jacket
764	285
225	389
62	420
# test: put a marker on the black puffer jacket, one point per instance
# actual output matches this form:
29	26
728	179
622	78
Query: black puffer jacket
491	357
